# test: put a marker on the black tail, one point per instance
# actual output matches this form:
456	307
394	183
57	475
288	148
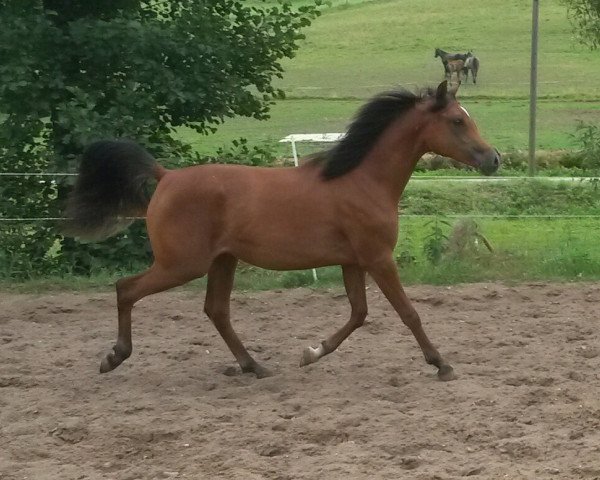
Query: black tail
110	189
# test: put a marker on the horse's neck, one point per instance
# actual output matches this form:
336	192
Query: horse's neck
392	160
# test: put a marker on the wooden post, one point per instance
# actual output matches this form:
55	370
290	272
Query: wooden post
533	86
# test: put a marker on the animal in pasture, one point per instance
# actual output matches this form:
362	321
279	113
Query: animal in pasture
445	57
455	67
471	64
441	54
340	208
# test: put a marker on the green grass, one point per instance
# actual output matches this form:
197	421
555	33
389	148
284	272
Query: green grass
524	250
530	248
358	48
513	198
355	51
502	122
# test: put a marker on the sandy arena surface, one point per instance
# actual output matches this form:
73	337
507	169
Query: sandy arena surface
526	404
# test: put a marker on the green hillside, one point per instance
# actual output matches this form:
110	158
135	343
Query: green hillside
356	49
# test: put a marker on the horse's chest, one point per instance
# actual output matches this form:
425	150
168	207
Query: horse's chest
375	226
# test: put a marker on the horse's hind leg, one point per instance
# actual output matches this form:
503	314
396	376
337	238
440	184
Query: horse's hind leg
386	276
216	306
354	281
129	291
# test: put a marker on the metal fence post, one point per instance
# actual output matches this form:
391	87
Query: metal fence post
533	86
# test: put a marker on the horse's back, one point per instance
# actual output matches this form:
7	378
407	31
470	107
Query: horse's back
235	185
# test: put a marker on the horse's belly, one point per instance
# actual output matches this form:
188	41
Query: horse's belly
292	253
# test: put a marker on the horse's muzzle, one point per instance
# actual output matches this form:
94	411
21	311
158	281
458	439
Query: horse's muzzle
489	161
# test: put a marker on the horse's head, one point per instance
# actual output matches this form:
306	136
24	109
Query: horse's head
450	131
438	53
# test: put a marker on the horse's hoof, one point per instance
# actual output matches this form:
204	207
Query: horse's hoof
309	355
262	372
446	373
257	369
114	359
109	363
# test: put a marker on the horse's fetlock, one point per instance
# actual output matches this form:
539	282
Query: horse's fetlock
434	360
360	314
123	351
215	314
325	348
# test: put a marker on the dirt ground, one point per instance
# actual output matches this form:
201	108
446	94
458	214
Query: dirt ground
526	404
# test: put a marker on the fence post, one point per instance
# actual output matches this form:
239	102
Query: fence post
533	85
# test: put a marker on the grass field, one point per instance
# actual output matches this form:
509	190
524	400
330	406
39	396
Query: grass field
527	249
358	48
539	230
503	122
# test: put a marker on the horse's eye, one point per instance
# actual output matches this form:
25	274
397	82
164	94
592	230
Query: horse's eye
458	121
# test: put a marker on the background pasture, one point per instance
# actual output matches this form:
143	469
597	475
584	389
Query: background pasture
358	48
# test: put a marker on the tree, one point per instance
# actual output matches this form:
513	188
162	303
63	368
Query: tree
585	17
74	71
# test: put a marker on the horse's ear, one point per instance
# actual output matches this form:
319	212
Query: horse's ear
441	95
442	90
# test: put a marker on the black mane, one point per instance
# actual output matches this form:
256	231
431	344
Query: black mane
370	122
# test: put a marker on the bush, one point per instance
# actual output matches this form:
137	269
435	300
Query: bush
466	238
588	138
436	242
571	160
242	153
76	72
515	160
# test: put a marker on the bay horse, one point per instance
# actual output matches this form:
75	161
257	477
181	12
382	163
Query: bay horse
445	57
455	66
340	208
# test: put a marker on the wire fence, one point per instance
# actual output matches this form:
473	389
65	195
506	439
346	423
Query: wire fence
432	247
417	178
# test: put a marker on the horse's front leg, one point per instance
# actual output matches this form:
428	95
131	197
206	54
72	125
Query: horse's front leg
216	307
386	276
